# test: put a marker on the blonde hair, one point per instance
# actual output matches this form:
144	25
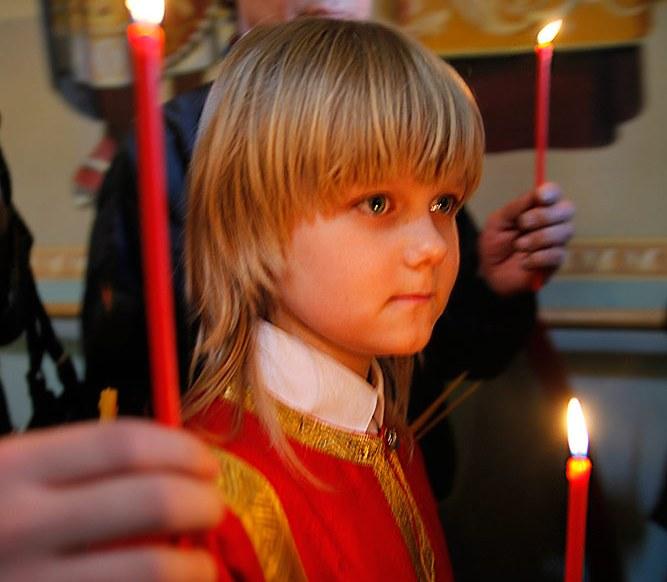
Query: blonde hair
300	112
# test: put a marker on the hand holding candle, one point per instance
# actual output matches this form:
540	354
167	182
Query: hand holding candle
146	40
578	473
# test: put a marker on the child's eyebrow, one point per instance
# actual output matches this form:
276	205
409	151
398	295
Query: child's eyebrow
456	190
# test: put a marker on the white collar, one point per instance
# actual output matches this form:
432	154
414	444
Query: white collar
308	380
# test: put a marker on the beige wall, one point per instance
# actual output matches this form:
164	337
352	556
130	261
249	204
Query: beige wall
44	140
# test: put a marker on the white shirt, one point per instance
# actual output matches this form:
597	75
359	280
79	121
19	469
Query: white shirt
310	381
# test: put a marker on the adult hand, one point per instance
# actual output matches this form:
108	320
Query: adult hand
525	239
70	496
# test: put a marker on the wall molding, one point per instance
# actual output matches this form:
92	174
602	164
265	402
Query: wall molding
615	258
59	262
597	258
588	259
605	318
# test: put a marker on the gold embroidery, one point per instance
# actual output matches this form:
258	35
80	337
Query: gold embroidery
360	448
252	498
371	450
368	450
399	496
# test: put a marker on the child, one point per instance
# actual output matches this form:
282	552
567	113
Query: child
321	249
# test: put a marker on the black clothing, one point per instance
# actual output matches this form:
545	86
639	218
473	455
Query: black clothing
659	514
113	319
479	331
8	318
22	311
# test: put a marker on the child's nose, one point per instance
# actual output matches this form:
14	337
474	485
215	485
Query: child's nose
427	245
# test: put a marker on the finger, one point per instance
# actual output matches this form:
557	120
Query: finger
137	564
550	258
123	508
548	194
551	236
508	214
90	450
543	216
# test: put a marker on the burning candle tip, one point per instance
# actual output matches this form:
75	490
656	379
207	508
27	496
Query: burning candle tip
146	11
577	435
549	32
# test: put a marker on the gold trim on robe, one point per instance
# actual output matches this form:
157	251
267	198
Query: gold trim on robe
254	501
369	450
364	449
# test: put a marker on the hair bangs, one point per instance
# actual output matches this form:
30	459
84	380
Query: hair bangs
414	123
366	109
362	109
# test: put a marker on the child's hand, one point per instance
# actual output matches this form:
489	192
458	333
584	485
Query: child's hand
67	493
526	236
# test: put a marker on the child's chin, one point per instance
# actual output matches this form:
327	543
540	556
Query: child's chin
412	345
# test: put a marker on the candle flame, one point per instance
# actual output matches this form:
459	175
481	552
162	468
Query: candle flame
577	435
549	32
147	11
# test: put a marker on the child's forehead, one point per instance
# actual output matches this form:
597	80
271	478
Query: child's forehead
402	181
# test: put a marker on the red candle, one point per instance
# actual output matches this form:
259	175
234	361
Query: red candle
578	472
146	41
544	51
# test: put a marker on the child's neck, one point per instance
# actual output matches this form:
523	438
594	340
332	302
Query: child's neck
359	363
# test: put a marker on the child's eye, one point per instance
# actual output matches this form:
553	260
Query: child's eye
377	204
445	204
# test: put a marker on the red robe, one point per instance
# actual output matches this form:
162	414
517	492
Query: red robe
371	516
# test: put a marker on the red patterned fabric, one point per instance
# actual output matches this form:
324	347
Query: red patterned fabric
344	529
